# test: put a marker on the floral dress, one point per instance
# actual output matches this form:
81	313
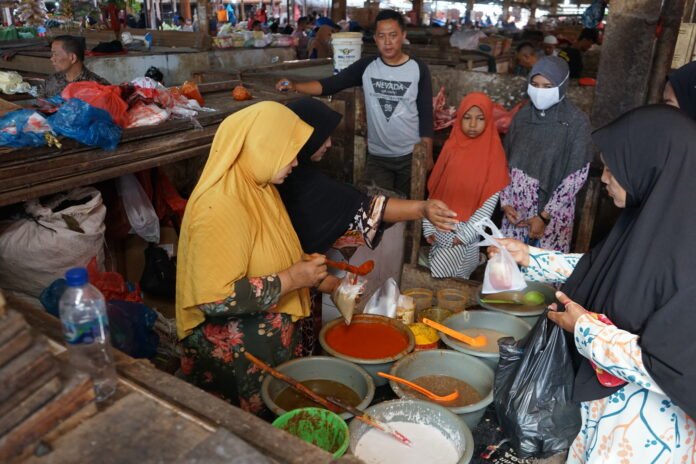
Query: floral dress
213	356
636	424
522	194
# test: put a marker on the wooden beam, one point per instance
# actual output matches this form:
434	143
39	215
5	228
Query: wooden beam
623	78
338	10
203	20
672	12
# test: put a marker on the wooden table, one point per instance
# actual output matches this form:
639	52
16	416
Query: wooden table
30	173
155	417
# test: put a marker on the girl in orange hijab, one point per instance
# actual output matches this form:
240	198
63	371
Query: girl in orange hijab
469	175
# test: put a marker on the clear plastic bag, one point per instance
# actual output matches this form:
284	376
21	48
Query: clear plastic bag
385	300
347	295
533	390
141	214
502	273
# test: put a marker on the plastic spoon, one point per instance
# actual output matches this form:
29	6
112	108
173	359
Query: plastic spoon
476	342
532	298
451	397
362	270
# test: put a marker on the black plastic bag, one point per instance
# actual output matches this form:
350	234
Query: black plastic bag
533	389
159	274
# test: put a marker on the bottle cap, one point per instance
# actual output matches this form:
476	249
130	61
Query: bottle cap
76	277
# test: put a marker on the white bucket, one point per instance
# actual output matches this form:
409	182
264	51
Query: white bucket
347	48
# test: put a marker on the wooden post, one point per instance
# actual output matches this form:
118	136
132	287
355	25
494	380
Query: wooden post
418	10
532	12
203	20
470	9
418	179
554	7
186	9
338	10
672	12
506	9
623	78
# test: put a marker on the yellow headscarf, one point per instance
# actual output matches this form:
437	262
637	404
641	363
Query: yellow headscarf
235	224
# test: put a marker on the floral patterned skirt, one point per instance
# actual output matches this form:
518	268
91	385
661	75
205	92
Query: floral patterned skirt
214	359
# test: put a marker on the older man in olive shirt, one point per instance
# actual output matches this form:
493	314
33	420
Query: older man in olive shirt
67	57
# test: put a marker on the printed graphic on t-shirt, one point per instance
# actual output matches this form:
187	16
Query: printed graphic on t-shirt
389	94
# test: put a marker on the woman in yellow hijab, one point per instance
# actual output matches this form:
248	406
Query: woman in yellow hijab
241	279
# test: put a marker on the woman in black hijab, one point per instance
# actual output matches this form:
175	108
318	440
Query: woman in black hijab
680	90
327	213
324	210
636	383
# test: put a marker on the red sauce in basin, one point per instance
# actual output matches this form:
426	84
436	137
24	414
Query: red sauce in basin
366	340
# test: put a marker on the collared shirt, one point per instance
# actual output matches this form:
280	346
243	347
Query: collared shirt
55	83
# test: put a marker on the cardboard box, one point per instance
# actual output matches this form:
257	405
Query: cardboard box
684	49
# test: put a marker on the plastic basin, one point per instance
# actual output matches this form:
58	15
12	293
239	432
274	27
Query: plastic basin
421	412
372	366
319	367
509	325
317	426
529	314
453	364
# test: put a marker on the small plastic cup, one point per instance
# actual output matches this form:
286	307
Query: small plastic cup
318	427
452	299
422	298
434	314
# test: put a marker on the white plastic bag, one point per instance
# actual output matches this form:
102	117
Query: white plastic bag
37	250
347	295
141	214
385	300
502	273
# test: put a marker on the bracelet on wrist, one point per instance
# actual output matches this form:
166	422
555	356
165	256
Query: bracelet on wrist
546	220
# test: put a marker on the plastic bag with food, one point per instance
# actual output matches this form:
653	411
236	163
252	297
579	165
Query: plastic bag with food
502	273
347	295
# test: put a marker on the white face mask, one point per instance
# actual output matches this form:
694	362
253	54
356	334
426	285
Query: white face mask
543	99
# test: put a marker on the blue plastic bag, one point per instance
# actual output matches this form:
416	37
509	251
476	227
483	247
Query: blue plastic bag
86	124
15	121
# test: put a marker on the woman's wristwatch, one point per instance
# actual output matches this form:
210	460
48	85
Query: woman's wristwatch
546	220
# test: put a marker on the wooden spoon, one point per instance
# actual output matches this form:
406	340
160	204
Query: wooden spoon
476	342
362	270
451	397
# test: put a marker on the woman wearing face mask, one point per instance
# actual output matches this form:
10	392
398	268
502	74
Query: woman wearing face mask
549	153
680	90
469	175
242	280
637	370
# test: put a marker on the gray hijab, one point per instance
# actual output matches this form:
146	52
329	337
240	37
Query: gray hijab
551	145
554	69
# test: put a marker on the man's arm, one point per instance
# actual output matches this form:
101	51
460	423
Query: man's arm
349	77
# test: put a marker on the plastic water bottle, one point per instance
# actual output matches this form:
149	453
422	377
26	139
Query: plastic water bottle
86	331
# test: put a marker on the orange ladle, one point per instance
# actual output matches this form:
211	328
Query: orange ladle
362	270
476	342
451	397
